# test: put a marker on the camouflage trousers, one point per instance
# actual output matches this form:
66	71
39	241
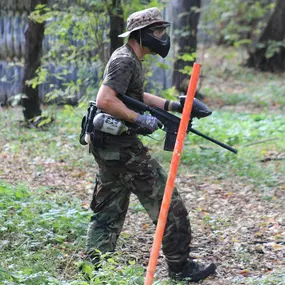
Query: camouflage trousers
133	170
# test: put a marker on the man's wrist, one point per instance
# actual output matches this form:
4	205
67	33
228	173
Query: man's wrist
175	106
172	106
130	116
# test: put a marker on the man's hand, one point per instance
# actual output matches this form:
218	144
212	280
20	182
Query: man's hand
148	122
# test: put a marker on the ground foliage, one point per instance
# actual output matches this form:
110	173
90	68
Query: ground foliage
235	202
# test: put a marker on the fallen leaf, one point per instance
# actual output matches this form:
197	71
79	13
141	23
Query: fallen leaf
244	272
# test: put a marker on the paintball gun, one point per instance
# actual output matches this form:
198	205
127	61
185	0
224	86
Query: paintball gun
171	122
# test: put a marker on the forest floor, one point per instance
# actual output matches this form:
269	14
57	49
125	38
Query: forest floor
237	215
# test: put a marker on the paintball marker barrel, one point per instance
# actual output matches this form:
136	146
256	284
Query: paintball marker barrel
213	140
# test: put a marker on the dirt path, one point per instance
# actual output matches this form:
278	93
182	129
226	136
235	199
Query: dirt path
235	225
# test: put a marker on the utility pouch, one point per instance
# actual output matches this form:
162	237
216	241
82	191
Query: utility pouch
97	139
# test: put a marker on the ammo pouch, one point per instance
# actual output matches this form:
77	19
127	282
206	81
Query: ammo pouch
97	139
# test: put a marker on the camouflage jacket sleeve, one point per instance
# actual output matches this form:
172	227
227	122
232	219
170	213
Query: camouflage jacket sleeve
119	73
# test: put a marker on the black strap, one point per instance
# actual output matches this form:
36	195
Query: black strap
166	105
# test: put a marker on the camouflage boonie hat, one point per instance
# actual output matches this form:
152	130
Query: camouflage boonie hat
142	19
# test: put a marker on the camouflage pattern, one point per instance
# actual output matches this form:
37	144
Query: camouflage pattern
124	73
142	19
127	170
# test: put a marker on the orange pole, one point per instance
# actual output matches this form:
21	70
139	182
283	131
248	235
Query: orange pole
172	174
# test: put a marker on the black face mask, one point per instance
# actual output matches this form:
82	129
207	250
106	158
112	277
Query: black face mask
159	46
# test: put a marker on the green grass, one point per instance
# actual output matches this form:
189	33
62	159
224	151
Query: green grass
229	81
253	135
272	93
58	143
42	242
43	232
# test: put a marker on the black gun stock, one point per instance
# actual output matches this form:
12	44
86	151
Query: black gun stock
170	122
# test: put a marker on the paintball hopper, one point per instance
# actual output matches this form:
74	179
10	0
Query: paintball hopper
199	109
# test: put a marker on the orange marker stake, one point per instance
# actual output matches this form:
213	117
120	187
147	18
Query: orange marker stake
172	174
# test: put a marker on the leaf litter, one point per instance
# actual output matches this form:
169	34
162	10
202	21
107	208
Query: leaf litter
233	224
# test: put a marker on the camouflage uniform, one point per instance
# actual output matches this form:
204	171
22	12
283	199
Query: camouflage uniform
125	167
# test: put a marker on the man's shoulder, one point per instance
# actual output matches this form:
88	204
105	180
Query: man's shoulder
123	54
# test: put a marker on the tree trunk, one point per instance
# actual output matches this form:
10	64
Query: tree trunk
33	47
115	11
274	32
186	27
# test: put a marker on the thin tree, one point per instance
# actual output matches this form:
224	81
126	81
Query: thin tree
185	27
33	49
273	37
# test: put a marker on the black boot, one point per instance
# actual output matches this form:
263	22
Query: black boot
193	272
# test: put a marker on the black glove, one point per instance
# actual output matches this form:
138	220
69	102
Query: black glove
176	106
149	123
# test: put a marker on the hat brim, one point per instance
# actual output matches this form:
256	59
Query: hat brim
126	34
